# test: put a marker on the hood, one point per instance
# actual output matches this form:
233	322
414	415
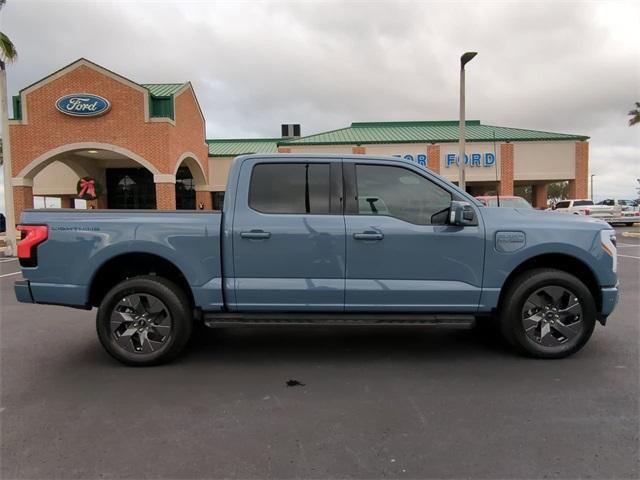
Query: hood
523	218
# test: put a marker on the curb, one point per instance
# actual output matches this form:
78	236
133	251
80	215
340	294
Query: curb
631	234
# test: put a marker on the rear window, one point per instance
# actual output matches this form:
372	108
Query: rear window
299	188
582	203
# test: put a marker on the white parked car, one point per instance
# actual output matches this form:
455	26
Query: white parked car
629	210
608	213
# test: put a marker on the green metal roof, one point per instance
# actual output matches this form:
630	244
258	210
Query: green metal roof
162	89
425	132
241	146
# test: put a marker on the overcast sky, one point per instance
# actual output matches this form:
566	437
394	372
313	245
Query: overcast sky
570	67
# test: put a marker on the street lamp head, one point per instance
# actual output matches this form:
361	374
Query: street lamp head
466	58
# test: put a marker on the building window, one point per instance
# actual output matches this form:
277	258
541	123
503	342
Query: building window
185	190
298	188
217	199
162	107
130	188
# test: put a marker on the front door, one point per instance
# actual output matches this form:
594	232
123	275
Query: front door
288	236
401	255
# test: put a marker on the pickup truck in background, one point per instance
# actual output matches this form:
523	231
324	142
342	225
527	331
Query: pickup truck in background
319	239
586	207
629	214
611	211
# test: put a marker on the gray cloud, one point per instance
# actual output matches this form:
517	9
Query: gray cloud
571	67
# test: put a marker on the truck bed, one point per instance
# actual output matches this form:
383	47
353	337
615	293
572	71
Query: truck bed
82	243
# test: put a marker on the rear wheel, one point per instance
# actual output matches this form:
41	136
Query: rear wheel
144	321
547	313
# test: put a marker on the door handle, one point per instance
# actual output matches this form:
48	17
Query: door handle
256	235
368	236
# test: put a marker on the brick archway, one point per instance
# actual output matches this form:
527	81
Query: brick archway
23	181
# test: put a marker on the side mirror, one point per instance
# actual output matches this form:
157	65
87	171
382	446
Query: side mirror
462	214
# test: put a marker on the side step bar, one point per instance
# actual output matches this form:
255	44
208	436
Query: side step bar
226	319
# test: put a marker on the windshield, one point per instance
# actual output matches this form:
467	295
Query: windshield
509	202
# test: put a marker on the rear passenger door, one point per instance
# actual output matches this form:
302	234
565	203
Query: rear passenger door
289	236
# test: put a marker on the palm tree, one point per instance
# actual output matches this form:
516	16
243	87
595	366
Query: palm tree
635	115
8	52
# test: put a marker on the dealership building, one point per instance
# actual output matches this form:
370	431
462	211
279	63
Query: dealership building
85	131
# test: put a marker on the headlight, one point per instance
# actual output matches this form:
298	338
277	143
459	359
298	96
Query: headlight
608	243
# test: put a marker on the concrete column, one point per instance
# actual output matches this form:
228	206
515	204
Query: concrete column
22	199
539	195
579	187
358	150
165	196
203	197
284	149
506	169
433	158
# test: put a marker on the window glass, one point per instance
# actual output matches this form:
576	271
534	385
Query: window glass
217	200
290	188
582	203
400	193
562	205
514	202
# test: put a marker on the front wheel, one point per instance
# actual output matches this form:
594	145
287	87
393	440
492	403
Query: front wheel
144	321
547	313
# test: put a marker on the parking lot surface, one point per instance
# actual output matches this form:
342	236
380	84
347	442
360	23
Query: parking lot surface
403	402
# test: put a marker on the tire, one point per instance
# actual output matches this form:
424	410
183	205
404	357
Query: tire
152	321
547	313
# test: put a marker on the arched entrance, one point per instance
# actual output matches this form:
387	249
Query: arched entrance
122	178
190	184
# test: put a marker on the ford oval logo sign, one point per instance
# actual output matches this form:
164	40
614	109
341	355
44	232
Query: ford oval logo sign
83	105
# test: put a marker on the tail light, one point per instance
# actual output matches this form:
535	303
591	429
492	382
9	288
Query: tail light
32	236
587	211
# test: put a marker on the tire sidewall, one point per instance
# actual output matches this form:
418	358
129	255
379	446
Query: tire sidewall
524	286
173	299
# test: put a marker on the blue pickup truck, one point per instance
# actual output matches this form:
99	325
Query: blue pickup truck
319	239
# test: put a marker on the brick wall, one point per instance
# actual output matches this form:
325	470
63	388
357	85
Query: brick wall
22	199
540	192
358	150
166	196
204	198
162	144
506	169
284	149
579	187
433	158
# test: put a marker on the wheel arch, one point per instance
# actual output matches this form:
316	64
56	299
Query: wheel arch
134	264
559	261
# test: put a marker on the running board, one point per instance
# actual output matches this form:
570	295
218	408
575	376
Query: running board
226	319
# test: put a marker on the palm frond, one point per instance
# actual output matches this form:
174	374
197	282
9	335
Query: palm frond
8	50
635	115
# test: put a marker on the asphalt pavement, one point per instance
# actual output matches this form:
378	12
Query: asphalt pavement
405	402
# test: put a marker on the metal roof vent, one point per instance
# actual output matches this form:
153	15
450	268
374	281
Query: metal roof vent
290	130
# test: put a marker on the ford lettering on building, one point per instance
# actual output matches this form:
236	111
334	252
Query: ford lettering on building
83	105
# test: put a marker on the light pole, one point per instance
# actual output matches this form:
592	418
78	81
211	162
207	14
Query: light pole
592	175
464	59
